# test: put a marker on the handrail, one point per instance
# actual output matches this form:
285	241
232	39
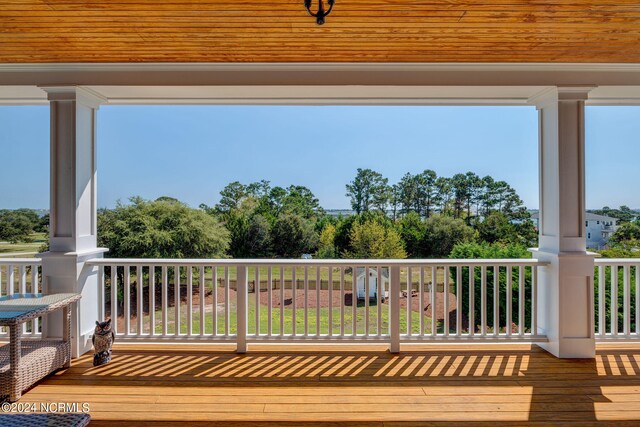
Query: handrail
318	262
21	276
617	261
21	261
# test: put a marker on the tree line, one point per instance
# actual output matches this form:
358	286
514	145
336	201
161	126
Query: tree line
421	216
460	196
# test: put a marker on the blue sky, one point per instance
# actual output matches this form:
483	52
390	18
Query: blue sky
191	152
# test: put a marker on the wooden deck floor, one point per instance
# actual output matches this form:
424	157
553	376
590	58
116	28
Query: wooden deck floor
496	385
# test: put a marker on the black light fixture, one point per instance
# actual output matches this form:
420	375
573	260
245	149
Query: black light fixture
321	13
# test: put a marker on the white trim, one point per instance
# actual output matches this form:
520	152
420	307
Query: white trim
320	74
574	93
545	97
84	95
317	95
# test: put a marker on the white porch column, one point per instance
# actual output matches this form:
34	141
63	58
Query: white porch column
73	216
565	305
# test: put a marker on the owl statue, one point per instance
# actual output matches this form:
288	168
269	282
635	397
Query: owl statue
103	339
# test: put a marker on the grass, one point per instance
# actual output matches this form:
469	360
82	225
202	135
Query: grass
324	274
34	246
288	320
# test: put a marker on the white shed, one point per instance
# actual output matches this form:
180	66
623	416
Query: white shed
373	282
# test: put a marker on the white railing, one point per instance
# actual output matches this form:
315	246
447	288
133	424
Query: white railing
617	299
21	275
313	300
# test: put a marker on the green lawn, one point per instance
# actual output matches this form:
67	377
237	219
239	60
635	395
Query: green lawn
34	246
311	274
288	320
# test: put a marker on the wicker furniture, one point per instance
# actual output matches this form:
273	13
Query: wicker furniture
44	420
22	364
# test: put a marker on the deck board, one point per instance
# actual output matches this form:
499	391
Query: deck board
357	385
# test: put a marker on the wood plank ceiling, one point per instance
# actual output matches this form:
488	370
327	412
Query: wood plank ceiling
357	31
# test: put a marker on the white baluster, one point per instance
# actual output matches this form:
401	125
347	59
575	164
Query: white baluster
521	300
127	300
270	304
458	300
256	290
241	317
394	306
615	309
342	301
483	300
189	300
203	298
152	300
626	291
165	300
114	298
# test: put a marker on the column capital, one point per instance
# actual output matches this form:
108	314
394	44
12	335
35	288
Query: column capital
574	93
80	94
554	94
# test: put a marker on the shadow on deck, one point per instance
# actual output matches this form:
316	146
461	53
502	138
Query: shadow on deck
276	386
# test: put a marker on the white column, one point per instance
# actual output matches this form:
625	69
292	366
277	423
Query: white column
73	216
565	295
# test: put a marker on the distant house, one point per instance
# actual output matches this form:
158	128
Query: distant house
599	229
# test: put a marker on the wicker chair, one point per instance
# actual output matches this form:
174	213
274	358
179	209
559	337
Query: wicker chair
22	364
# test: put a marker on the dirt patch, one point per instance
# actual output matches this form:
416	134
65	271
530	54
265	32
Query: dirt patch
313	300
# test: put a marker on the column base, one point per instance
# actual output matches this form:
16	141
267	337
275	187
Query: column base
565	303
571	348
66	272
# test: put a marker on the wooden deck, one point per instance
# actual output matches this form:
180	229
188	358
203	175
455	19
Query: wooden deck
351	385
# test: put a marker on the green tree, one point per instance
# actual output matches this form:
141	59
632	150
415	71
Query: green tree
442	233
483	250
292	236
498	227
258	189
475	188
495	228
299	200
231	196
622	214
408	194
342	238
394	201
18	225
167	199
272	204
371	239
461	193
327	247
626	236
428	192
444	193
412	230
369	190
160	229
43	224
250	232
